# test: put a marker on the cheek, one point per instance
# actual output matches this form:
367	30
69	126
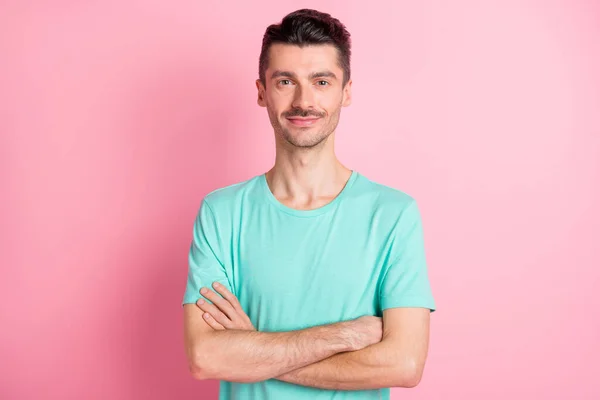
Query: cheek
278	104
330	103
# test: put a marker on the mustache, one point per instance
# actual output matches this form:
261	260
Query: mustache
297	112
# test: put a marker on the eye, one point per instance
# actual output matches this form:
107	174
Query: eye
323	83
284	82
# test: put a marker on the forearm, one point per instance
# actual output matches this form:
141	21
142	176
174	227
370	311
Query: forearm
252	356
373	367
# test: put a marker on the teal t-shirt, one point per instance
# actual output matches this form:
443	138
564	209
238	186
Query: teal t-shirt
293	269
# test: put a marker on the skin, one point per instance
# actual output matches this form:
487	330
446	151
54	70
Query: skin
246	355
365	353
305	82
396	358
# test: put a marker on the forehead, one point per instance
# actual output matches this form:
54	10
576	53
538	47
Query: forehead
303	60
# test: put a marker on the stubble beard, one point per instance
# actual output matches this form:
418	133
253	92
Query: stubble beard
306	140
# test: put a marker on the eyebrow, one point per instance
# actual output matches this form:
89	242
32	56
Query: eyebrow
313	75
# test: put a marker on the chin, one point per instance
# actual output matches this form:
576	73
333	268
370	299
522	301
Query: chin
305	142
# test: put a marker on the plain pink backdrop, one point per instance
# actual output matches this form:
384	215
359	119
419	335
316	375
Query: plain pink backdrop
117	117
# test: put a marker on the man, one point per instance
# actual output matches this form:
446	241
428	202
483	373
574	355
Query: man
308	281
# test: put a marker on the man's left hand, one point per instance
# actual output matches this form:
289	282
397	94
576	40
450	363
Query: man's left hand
225	312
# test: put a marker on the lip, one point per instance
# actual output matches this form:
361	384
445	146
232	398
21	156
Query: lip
303	121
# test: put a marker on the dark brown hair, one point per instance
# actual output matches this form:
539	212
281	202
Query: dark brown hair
307	27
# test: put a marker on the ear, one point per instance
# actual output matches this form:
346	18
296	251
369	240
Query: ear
347	94
261	94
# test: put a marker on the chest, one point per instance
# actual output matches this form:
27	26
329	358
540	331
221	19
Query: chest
314	275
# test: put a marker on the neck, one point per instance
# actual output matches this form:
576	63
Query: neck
307	177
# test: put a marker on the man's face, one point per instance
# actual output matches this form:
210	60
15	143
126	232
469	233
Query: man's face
303	94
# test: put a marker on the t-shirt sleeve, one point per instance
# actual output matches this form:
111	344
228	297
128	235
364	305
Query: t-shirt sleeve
204	261
406	281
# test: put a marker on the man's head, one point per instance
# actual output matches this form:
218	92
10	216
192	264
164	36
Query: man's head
304	76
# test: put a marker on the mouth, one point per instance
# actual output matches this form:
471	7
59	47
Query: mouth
303	121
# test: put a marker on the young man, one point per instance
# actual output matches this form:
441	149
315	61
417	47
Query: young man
308	281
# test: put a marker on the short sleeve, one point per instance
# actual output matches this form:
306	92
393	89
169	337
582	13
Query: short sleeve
204	263
406	281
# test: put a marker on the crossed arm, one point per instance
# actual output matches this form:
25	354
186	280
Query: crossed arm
397	361
322	357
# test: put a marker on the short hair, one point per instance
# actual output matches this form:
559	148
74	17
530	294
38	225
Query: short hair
303	28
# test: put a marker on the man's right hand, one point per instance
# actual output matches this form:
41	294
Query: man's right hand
364	331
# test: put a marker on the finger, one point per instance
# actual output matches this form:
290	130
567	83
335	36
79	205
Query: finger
214	312
233	300
230	297
211	321
220	302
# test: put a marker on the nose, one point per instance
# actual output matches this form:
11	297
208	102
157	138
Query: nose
303	97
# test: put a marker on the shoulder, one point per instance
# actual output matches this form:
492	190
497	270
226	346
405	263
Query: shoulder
385	197
231	196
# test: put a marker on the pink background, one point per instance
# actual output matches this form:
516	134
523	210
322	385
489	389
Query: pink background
117	118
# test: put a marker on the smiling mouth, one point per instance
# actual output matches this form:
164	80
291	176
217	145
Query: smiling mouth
303	121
